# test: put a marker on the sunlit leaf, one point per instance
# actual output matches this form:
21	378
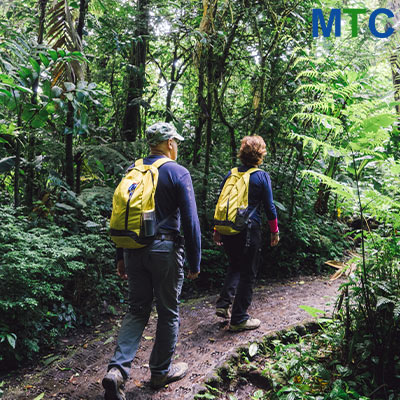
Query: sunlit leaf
253	348
35	64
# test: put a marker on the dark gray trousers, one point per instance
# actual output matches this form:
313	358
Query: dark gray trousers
154	271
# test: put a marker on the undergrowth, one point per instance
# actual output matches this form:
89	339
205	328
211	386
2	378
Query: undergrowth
297	365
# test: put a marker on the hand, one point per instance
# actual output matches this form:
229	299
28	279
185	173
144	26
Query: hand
192	275
274	239
121	269
217	238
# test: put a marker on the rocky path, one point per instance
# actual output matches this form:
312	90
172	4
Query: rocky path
204	343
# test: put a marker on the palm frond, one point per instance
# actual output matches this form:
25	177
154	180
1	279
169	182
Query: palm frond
61	34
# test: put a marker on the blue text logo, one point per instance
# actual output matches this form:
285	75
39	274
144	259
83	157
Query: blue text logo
335	19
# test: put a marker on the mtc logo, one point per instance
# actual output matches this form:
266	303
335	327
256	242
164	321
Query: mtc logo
335	17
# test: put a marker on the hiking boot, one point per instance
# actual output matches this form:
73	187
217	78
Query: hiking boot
223	313
176	372
113	383
251	323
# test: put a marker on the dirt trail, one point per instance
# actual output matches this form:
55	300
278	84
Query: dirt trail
204	343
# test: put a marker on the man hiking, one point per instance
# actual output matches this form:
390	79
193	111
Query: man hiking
155	270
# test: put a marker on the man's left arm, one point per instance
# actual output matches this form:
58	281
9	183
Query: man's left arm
190	224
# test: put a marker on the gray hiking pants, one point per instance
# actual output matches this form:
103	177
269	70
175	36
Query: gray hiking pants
154	271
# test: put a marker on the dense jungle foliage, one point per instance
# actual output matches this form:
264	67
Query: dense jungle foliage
80	80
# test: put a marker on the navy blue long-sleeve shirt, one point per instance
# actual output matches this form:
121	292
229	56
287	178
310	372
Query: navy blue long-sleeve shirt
260	191
175	202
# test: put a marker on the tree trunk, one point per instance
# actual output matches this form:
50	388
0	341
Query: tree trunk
83	7
202	115
210	83
78	162
172	85
30	179
228	125
69	159
168	111
324	191
30	176
136	78
69	137
17	200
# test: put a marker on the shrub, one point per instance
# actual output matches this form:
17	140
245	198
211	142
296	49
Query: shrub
50	281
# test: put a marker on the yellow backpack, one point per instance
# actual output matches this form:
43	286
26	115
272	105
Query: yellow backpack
231	213
132	223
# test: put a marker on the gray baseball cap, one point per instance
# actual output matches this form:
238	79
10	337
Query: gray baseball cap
161	131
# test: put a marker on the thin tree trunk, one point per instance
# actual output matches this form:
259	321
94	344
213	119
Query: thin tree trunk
168	111
78	162
201	116
69	159
228	125
83	7
131	123
69	138
324	191
293	188
30	181
210	83
17	199
171	88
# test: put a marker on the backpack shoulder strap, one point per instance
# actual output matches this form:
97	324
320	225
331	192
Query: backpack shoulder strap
251	170
161	161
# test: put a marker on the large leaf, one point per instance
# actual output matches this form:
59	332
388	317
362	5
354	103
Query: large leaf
7	164
44	60
314	312
12	339
69	86
373	124
35	64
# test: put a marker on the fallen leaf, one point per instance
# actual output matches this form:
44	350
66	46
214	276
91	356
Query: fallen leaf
301	283
85	346
148	337
28	387
50	360
138	384
335	264
109	340
212	340
253	349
